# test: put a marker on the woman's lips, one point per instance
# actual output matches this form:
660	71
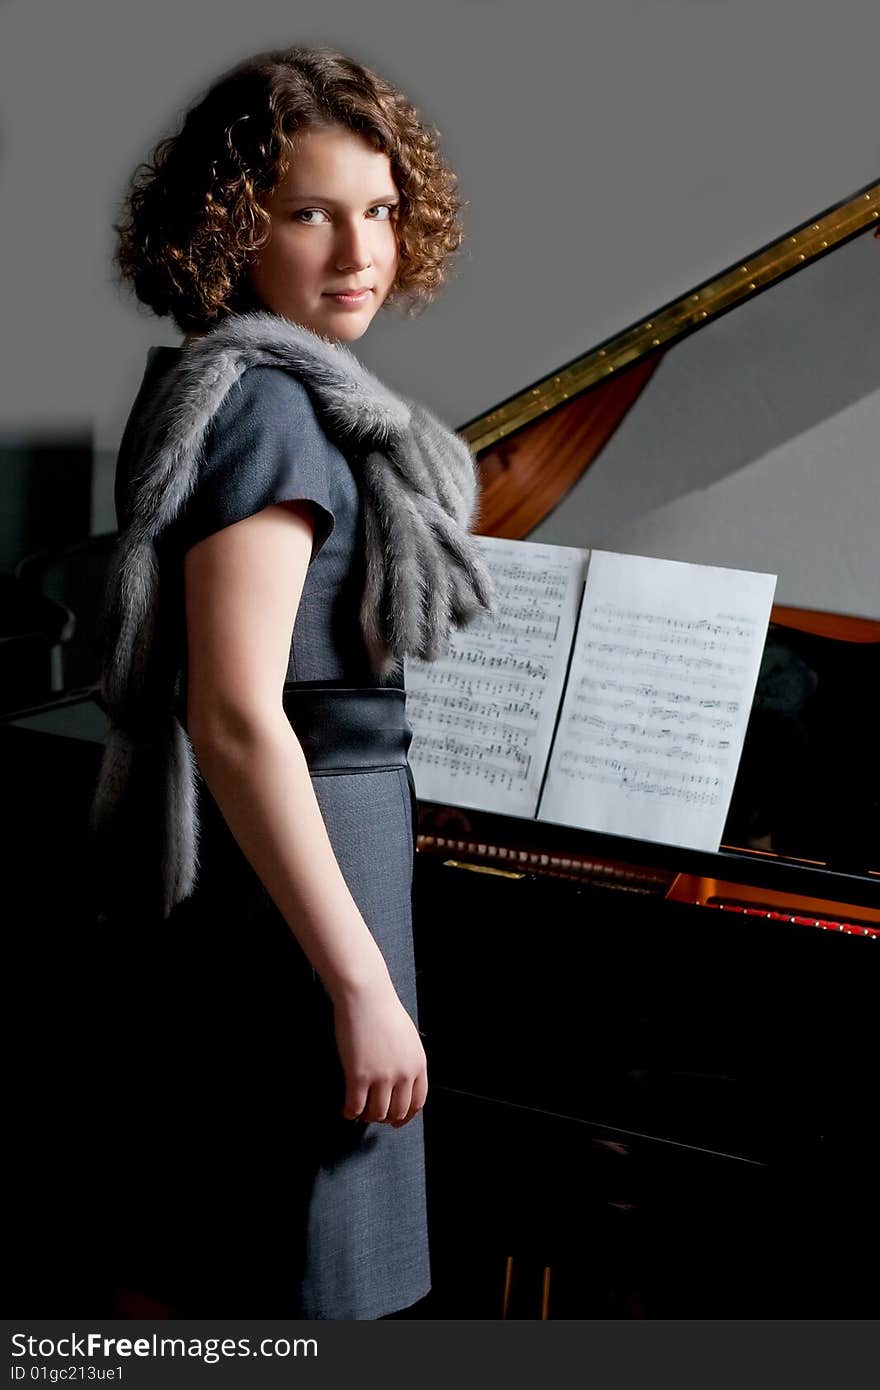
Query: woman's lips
346	300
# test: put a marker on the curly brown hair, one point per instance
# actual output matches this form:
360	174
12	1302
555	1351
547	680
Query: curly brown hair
193	215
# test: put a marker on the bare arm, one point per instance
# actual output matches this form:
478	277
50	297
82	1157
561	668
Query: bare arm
243	587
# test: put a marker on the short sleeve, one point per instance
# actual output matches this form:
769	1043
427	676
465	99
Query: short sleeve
264	445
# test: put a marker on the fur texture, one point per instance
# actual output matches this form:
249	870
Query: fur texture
424	577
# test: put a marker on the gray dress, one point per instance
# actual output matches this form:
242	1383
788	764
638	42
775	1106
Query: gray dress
249	1194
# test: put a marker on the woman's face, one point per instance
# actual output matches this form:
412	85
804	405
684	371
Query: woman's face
333	229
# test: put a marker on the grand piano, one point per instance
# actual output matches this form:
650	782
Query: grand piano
652	1070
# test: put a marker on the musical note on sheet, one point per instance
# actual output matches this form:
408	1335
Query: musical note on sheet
483	715
663	672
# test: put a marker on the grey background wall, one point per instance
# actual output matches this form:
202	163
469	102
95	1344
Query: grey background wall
611	155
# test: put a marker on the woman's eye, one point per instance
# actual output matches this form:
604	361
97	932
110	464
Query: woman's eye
390	208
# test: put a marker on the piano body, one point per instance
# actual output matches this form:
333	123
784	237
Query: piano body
653	1070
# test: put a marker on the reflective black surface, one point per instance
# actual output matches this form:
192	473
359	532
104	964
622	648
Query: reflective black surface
809	778
672	1108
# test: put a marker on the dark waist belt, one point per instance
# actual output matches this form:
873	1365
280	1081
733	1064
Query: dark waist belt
349	728
352	729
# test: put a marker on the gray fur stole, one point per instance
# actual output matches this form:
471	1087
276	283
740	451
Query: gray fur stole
423	577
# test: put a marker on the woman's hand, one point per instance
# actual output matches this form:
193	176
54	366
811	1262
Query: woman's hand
386	1071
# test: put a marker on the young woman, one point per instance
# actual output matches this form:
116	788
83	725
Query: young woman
296	530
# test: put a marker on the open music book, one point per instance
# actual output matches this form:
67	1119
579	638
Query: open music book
611	692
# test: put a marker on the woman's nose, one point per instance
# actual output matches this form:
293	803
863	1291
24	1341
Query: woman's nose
353	251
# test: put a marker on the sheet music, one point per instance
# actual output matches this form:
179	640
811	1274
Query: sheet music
483	715
658	698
